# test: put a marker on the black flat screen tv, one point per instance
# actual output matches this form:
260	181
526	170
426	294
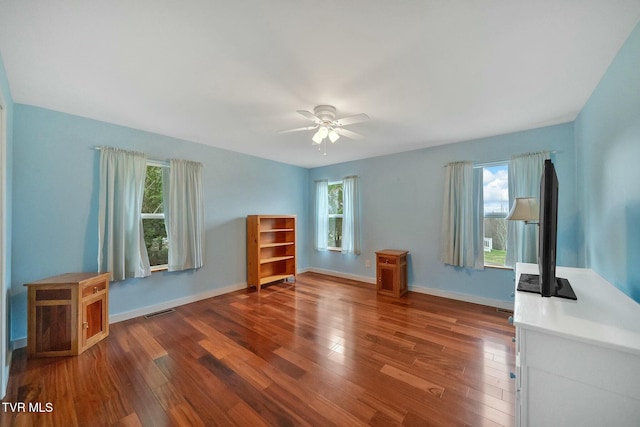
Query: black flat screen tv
546	283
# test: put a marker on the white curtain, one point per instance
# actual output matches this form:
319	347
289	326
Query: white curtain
121	247
525	172
322	214
478	218
184	214
350	216
462	216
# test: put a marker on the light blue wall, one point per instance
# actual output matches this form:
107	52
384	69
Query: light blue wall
401	208
54	218
5	287
608	141
55	208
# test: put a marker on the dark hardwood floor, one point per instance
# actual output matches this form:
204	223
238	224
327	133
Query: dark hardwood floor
326	351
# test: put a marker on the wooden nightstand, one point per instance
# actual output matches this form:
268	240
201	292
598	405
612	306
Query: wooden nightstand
67	313
391	272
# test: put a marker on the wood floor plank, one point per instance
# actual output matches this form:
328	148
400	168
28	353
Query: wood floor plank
130	420
206	394
244	415
184	415
412	380
383	409
322	351
335	413
149	343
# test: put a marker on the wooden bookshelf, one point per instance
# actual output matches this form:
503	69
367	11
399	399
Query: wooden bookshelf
271	249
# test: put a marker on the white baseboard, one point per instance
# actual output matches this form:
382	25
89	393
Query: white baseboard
143	311
19	343
359	278
506	305
424	290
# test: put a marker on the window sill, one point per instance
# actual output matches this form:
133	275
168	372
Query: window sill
499	267
156	268
334	249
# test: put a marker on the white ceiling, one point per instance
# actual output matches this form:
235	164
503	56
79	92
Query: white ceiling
231	73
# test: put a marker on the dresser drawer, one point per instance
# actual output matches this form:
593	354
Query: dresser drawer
93	288
386	260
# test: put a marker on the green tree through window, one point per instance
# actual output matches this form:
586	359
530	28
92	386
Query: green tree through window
155	234
335	215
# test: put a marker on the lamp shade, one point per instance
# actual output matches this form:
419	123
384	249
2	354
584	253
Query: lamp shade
524	209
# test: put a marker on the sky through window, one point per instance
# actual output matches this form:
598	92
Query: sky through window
496	191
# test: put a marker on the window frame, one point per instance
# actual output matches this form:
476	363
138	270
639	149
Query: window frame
330	215
495	214
145	215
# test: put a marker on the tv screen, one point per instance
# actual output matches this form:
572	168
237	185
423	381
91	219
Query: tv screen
547	284
547	239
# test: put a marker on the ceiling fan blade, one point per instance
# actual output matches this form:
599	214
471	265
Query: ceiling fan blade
348	133
310	116
298	129
352	119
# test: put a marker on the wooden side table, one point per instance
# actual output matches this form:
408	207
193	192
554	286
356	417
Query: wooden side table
391	272
67	313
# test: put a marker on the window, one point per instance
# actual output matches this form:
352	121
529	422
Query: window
334	237
155	233
496	207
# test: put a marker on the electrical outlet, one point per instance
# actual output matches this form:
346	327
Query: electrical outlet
367	263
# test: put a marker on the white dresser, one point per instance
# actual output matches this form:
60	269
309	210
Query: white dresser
577	362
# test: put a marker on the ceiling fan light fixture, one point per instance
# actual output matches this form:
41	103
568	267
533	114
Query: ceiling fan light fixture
320	135
316	138
326	125
333	136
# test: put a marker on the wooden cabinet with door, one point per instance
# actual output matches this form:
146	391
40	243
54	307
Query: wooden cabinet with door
391	272
67	313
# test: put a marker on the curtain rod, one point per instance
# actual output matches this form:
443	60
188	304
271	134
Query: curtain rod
152	162
496	162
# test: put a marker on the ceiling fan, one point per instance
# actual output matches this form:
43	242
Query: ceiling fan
324	119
